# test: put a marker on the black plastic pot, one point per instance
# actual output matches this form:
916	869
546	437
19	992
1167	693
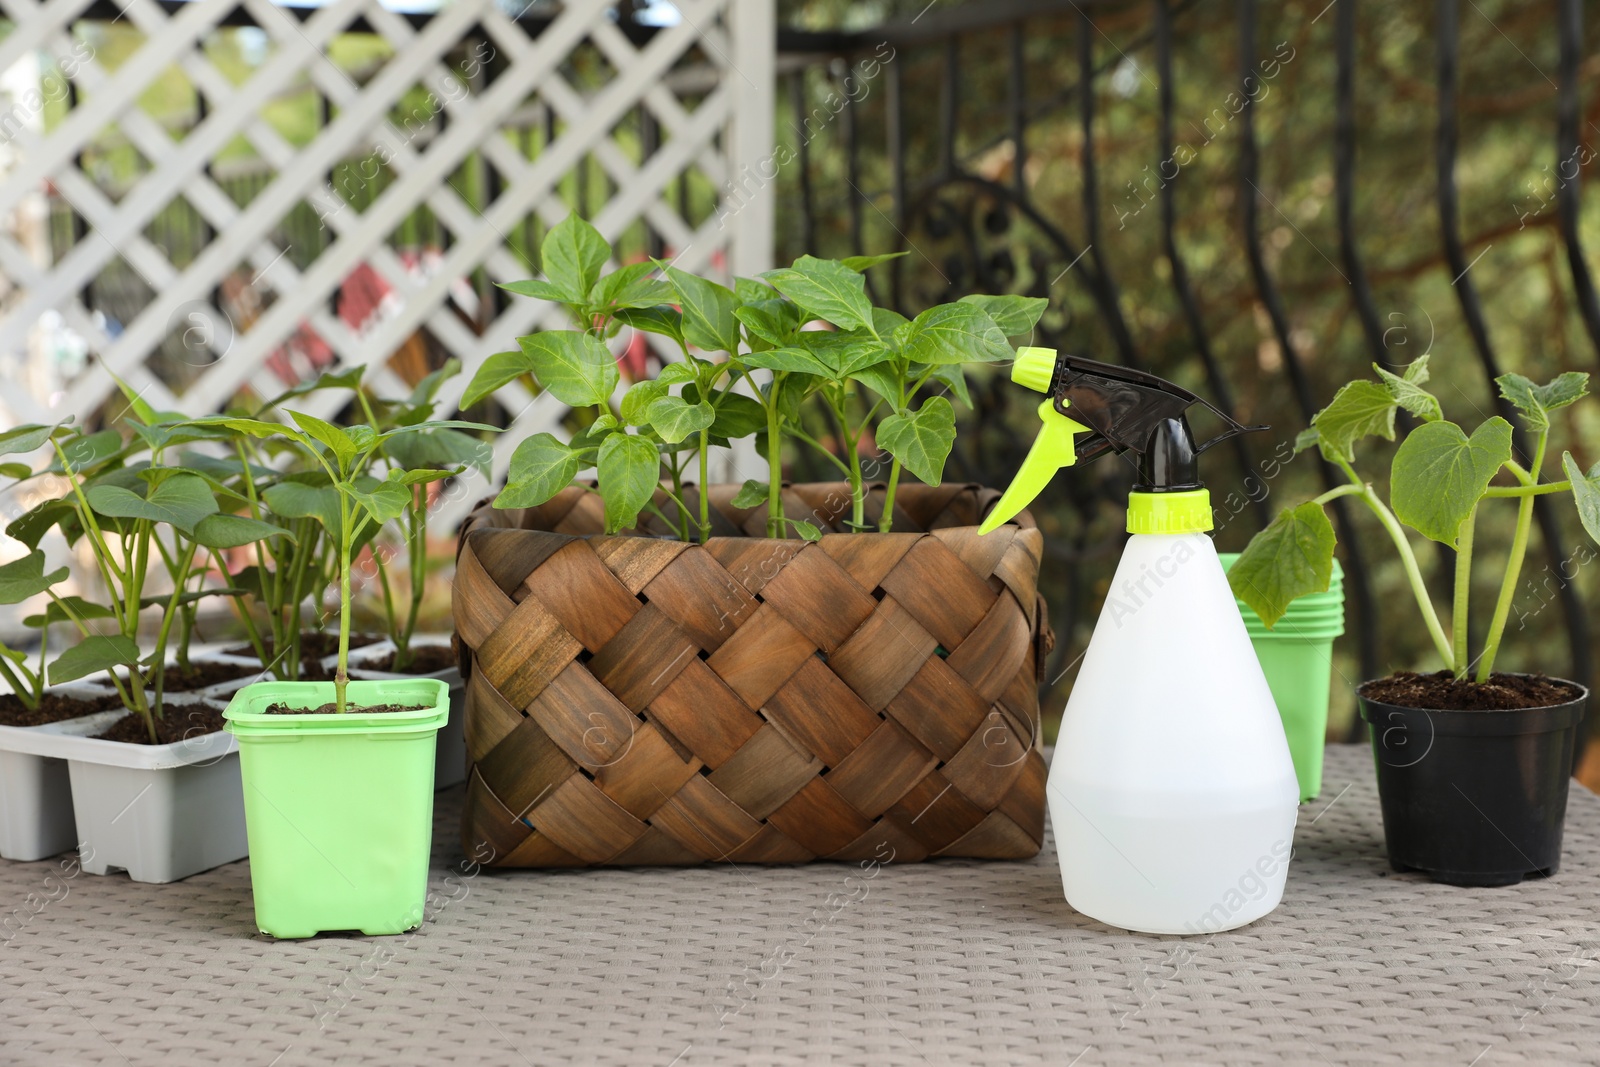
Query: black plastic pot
1474	798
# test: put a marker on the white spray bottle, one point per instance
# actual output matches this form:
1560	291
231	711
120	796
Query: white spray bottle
1172	793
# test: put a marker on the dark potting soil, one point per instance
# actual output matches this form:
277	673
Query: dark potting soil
52	708
1443	691
199	675
314	644
179	721
425	659
331	708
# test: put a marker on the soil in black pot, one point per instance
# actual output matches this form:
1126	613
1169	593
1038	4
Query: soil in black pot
179	722
331	708
54	707
425	659
1443	691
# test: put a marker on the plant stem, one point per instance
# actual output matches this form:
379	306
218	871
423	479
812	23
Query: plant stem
1408	558
1508	583
1461	614
887	519
705	495
1339	491
24	693
1526	491
341	677
774	463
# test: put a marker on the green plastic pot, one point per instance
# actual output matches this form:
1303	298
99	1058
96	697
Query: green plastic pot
338	808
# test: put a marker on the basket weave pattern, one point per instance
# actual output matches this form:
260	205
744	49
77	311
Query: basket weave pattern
637	700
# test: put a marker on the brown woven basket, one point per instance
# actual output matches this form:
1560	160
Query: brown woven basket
639	700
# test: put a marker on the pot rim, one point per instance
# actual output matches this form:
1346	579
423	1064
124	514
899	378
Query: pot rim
246	723
1542	719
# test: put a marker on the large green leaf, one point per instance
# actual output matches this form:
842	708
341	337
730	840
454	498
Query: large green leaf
97	653
86	452
180	501
302	500
921	442
1440	474
630	287
58	611
1015	315
767	320
1290	558
708	311
573	255
827	289
438	450
1407	389
383	502
737	416
662	319
232	531
31	526
541	467
674	418
1585	493
630	471
576	368
25	577
1537	401
637	400
1357	410
953	333
24	438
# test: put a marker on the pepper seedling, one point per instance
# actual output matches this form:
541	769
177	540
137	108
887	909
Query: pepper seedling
1439	477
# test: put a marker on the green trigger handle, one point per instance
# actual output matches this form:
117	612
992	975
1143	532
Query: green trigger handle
1052	450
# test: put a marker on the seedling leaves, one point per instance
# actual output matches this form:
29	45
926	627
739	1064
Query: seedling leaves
1289	559
1440	474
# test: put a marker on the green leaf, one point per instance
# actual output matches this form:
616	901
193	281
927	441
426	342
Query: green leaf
1357	410
1585	493
1408	392
767	321
539	290
98	653
684	371
573	255
576	368
752	291
1015	315
426	392
25	577
752	494
24	438
54	612
84	453
953	333
303	500
383	502
637	400
796	360
675	418
439	449
921	442
31	526
708	311
340	442
1287	560
737	416
1537	401
807	530
827	289
630	287
952	376
1310	437
15	471
541	467
630	472
349	378
881	379
1440	474
180	501
661	319
232	531
861	263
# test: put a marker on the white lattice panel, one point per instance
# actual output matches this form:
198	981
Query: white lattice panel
575	72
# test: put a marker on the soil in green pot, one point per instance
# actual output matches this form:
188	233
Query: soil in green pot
331	708
179	722
425	659
54	707
1443	691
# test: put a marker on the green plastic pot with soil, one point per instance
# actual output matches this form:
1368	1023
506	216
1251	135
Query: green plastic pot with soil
1472	764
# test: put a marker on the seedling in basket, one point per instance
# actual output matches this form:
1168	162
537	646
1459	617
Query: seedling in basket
753	360
1440	476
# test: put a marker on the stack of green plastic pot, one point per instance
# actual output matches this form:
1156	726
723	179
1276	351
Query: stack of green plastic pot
1296	655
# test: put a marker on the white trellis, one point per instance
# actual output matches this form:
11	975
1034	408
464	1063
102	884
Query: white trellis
705	81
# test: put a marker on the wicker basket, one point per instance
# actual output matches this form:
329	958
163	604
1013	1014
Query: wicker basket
639	700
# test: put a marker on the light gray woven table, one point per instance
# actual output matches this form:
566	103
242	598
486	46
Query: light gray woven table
942	963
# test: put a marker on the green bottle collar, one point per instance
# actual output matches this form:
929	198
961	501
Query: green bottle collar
1170	513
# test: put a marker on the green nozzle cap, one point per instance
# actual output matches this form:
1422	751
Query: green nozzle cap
1034	368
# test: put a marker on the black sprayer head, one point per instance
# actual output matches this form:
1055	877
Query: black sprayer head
1132	410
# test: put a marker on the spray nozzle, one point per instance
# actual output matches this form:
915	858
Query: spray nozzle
1120	409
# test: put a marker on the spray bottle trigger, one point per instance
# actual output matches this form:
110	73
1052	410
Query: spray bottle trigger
1052	450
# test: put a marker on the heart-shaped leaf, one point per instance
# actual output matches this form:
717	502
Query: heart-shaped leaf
383	502
1585	493
232	531
180	501
97	653
1289	559
573	254
630	471
675	418
1357	410
1015	315
921	442
541	467
25	577
953	333
752	494
827	289
1440	474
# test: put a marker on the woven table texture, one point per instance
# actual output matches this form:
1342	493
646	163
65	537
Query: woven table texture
633	700
951	962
